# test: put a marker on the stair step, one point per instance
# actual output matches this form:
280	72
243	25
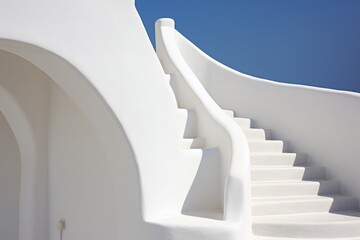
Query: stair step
302	204
229	112
244	123
287	173
294	188
301	238
255	134
193	143
341	225
268	146
187	123
278	159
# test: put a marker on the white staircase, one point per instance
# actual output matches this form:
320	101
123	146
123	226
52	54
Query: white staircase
292	200
290	197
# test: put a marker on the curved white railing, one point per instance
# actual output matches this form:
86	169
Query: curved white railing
323	123
214	125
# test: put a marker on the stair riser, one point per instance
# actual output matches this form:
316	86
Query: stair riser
323	231
293	189
266	147
255	134
230	113
287	174
278	188
321	205
278	160
244	123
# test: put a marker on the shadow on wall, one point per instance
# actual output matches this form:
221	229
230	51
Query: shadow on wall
9	182
70	171
204	196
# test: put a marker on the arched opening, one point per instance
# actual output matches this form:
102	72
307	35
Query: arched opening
19	123
69	145
10	175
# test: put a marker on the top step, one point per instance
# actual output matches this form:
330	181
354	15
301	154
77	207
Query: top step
230	113
341	226
242	122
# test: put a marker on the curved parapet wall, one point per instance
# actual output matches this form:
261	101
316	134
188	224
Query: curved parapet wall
214	125
93	50
322	123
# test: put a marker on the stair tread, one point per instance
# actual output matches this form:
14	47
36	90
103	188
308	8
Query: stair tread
278	159
271	167
306	207
265	141
244	123
266	146
313	225
285	182
243	119
229	112
311	218
300	238
255	133
272	153
300	198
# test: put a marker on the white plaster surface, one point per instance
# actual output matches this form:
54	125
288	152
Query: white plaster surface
100	142
10	174
217	128
322	123
285	186
93	50
24	104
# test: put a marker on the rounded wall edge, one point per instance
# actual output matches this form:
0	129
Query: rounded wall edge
316	121
108	44
237	188
26	140
105	124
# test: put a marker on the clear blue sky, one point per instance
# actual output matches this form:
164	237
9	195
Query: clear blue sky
311	42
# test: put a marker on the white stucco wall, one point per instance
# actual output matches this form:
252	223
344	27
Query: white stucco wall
98	52
24	103
81	182
9	182
76	176
319	122
216	127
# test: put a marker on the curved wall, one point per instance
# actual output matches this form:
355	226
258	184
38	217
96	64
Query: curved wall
82	187
215	127
322	123
10	175
95	58
24	104
73	179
